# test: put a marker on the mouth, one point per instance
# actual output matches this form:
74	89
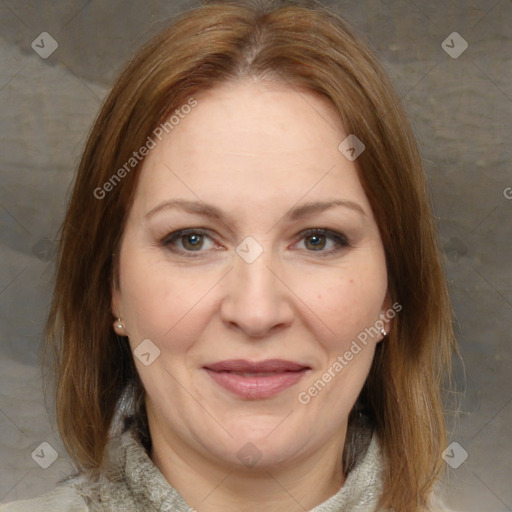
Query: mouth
256	380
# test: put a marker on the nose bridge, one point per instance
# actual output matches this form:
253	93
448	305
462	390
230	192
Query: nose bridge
255	283
255	299
254	277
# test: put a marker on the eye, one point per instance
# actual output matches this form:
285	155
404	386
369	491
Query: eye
187	240
317	239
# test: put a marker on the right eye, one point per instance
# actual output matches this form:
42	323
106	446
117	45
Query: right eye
186	241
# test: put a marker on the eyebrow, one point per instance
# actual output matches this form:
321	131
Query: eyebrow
208	210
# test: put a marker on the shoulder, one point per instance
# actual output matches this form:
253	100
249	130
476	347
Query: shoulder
61	499
114	486
437	505
437	498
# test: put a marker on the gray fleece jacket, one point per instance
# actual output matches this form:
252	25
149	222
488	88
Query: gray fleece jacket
131	482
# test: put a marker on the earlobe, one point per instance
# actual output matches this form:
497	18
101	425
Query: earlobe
118	324
386	317
384	331
119	327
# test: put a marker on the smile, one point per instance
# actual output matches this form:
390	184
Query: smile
253	380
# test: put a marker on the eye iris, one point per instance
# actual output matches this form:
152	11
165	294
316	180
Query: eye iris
192	241
318	241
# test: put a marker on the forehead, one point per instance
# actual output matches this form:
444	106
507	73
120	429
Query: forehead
259	143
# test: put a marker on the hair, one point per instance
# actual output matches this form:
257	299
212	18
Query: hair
307	47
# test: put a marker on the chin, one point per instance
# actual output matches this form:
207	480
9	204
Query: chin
255	446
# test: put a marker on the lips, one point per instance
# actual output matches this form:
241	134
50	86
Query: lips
267	366
256	380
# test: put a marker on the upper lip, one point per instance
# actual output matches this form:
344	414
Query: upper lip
268	365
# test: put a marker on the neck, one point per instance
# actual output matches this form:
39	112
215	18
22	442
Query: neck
213	486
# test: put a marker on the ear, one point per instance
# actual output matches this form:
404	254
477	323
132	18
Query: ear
387	313
116	302
118	324
113	304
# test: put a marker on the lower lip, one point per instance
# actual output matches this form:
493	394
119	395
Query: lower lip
256	387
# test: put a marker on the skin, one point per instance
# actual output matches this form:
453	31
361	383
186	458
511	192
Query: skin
255	150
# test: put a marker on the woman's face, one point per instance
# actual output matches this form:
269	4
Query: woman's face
250	173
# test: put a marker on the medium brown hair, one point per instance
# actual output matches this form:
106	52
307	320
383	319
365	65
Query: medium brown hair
307	47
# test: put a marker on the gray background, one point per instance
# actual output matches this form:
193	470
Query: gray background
460	108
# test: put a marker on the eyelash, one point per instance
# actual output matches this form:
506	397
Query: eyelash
340	240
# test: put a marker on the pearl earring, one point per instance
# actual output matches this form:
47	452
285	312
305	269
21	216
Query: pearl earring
119	324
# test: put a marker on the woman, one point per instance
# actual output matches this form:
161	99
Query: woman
250	311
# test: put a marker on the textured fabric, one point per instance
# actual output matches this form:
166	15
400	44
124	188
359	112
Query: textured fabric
362	486
130	482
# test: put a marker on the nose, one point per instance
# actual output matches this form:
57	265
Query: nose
256	299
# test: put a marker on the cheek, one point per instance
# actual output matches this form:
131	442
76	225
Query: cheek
162	305
345	305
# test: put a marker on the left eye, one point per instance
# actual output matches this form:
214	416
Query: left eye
317	240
